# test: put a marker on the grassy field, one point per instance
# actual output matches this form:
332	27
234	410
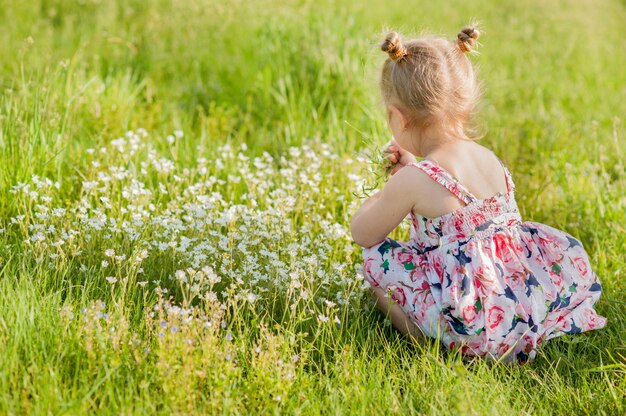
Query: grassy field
176	186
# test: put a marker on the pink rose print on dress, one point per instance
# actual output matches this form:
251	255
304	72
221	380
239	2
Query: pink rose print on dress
502	249
503	348
439	270
419	314
469	314
551	249
590	320
459	236
453	291
507	252
472	348
517	281
424	302
555	275
458	224
422	262
425	307
478	218
541	339
564	321
460	270
471	245
551	320
581	266
495	316
476	347
373	271
511	222
405	257
527	344
397	294
484	280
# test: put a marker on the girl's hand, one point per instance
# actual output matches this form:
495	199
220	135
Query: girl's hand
398	156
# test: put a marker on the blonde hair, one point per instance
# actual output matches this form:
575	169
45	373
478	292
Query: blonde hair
432	80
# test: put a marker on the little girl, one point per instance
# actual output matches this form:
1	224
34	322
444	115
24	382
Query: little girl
473	274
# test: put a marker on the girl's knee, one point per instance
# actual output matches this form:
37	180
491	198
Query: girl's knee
377	292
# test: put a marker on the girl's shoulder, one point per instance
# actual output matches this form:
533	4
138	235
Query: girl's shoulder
411	181
428	193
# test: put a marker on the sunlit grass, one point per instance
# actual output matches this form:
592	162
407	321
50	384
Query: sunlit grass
178	180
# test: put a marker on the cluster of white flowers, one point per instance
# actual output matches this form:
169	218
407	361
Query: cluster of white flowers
230	223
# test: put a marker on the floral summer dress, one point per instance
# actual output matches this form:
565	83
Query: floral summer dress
482	280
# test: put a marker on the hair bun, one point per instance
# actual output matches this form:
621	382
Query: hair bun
393	46
467	37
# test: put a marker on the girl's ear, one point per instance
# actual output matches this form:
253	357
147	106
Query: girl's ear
400	117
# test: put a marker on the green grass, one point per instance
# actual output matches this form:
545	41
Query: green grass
243	220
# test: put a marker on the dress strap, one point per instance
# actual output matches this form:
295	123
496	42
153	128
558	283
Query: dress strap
446	179
510	185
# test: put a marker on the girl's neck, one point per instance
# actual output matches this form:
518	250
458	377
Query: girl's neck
438	141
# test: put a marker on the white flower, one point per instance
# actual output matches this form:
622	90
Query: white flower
322	318
251	297
111	279
109	253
